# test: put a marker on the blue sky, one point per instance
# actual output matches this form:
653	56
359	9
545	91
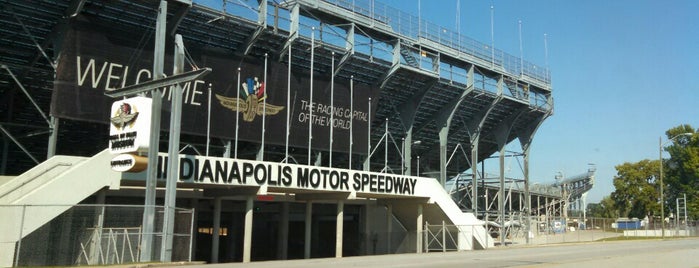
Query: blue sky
623	73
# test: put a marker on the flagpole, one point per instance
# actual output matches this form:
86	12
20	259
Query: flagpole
310	101
332	107
288	108
237	114
521	50
264	110
492	36
368	140
351	120
546	57
208	123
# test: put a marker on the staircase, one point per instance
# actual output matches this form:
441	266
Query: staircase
407	54
472	233
32	199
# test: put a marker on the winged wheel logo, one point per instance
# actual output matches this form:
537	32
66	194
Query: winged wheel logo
124	116
252	103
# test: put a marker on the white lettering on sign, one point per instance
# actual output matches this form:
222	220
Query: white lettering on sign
227	171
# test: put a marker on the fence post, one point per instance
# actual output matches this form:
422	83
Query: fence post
191	234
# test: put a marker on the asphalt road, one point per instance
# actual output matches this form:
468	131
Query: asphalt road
638	253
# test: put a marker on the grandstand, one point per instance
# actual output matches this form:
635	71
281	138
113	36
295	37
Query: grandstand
406	99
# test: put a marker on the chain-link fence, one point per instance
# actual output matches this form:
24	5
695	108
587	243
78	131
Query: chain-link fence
558	230
87	234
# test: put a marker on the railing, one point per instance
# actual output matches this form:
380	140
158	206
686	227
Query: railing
92	235
446	237
410	27
415	28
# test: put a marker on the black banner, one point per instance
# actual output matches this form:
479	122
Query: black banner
94	61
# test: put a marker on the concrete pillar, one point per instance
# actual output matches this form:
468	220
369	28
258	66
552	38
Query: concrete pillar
339	228
307	234
283	248
418	231
216	230
247	236
368	243
389	227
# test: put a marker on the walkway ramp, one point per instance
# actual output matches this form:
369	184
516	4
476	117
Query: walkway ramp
442	209
60	180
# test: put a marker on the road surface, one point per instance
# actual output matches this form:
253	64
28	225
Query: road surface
637	253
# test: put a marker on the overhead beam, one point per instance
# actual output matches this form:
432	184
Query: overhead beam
159	83
325	196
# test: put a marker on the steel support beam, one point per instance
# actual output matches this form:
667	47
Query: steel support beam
525	139
349	50
173	155
146	254
29	96
293	30
7	133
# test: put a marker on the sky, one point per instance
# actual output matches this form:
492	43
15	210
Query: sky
623	72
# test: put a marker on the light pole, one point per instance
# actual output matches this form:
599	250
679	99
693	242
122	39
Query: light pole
662	197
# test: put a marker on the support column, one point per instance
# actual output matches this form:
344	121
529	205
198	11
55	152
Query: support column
389	227
443	140
408	151
283	238
247	236
173	172
307	234
339	228
53	138
501	198
368	241
527	196
154	141
216	230
418	231
474	170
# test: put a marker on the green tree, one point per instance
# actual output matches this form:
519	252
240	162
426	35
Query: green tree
636	191
682	169
604	209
